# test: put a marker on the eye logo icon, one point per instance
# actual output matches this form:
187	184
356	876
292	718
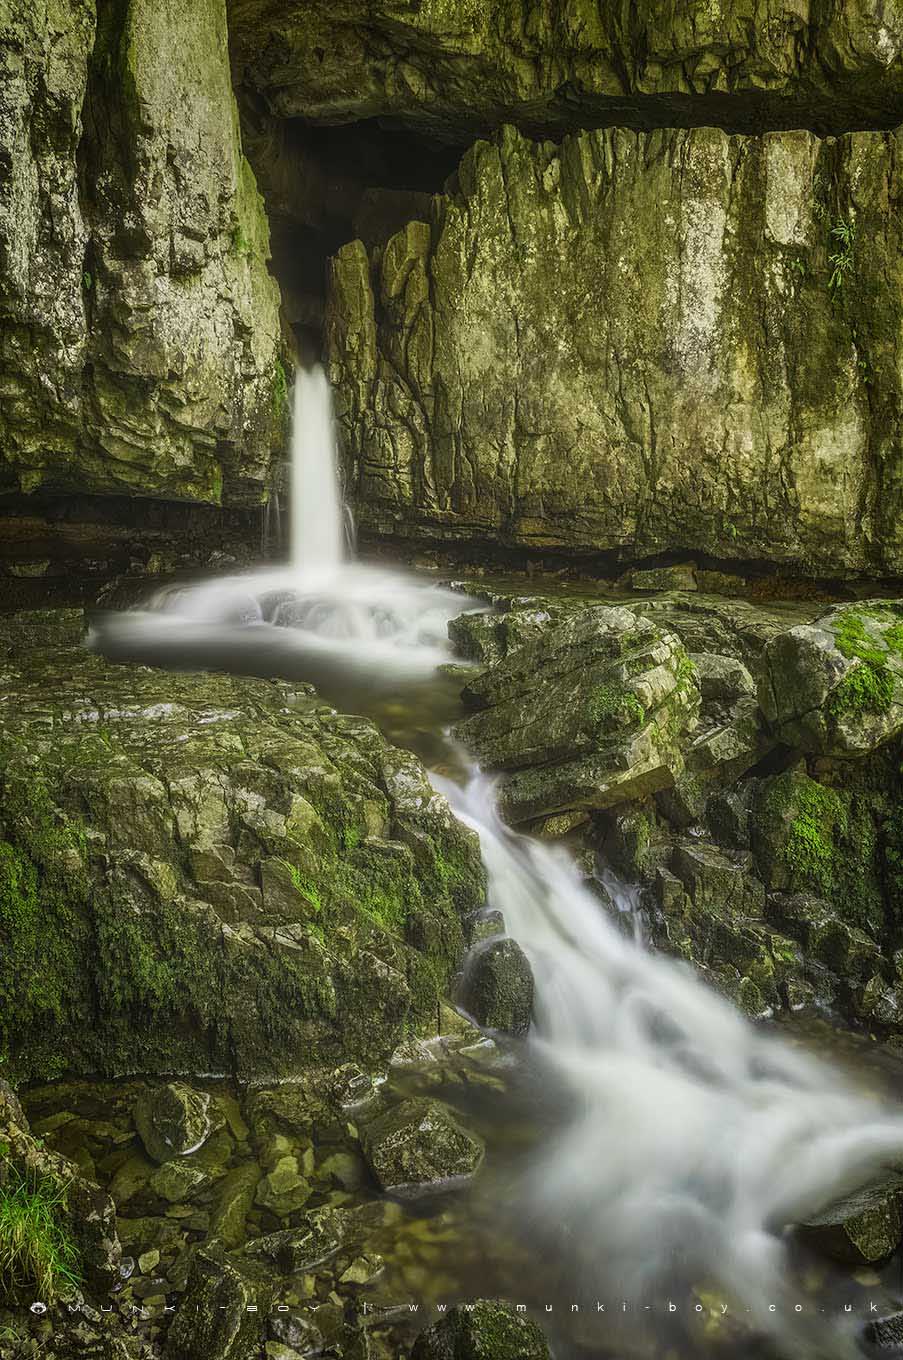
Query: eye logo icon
39	1308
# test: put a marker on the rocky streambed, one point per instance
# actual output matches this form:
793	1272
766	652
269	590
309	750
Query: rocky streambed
234	922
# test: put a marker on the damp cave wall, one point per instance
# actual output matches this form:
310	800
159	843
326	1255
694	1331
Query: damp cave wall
603	281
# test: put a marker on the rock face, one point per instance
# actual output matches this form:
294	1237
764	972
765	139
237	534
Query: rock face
585	716
85	1212
139	331
210	874
454	67
862	1229
636	341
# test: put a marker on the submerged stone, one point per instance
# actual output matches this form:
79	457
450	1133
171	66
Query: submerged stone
173	1120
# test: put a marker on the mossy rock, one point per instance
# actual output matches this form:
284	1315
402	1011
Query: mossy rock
487	1329
141	816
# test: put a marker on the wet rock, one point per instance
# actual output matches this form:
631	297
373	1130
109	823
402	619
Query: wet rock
886	1334
836	686
484	1330
498	987
178	1182
283	1190
188	403
444	307
232	1204
862	1228
195	783
222	1312
679	577
418	1145
173	1120
588	715
724	679
321	1234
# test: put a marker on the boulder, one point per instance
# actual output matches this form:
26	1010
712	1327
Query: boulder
585	716
173	1120
418	1146
141	813
488	1329
497	989
861	1229
223	1309
835	687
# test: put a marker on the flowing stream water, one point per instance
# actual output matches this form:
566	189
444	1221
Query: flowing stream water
690	1138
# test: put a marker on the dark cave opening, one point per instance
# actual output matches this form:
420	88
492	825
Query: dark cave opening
327	185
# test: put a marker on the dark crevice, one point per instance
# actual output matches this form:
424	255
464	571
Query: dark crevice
325	186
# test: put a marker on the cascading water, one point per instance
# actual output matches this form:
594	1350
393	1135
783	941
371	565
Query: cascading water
696	1136
316	506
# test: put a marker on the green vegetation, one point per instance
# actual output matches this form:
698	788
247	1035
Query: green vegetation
809	851
843	233
38	1254
609	704
43	891
869	688
280	388
240	243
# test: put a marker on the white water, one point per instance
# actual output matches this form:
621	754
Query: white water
321	612
698	1135
318	531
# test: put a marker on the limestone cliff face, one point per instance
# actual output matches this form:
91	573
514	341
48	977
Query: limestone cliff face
638	342
461	66
139	332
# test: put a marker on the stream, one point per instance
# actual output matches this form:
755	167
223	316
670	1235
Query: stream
672	1141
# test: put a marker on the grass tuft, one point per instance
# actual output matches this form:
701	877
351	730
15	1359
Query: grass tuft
37	1252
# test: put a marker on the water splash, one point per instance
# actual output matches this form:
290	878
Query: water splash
322	618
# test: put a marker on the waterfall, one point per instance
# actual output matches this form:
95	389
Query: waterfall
317	513
697	1137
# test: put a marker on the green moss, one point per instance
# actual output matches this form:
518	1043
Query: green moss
280	389
610	705
867	689
240	244
43	928
809	851
38	1255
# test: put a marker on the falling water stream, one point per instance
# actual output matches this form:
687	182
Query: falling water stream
692	1138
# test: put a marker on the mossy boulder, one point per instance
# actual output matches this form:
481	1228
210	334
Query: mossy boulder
141	815
417	1145
497	989
488	1329
587	715
861	1229
835	687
